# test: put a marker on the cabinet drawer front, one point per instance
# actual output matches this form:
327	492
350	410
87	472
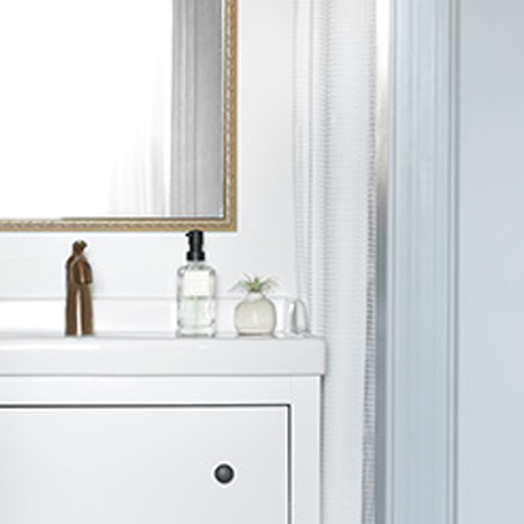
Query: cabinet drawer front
144	465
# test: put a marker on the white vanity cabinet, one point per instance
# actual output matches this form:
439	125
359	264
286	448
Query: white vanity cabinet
160	431
134	465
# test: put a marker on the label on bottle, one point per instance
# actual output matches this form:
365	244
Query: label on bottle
197	284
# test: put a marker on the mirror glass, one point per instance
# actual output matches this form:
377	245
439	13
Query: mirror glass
113	109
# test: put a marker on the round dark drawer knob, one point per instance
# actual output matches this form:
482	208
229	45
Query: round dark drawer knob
224	473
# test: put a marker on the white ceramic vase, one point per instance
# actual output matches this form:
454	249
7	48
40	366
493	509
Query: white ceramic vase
255	315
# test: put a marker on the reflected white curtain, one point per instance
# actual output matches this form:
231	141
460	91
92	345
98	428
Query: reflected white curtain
197	187
335	228
141	91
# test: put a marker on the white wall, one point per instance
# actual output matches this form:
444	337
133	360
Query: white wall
491	304
31	265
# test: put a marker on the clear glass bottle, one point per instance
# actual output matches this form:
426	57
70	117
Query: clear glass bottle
196	292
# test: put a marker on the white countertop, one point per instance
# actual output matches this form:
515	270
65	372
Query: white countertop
51	354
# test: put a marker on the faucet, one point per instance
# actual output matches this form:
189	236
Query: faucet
79	306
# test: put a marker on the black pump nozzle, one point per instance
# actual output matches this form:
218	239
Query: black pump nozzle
196	246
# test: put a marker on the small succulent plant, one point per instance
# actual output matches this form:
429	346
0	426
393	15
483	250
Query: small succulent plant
255	284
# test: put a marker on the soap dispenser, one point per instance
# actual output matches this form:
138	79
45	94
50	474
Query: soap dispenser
196	291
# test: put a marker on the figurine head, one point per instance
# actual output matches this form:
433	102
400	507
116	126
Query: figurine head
79	246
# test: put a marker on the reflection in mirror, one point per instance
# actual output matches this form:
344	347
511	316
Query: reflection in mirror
111	108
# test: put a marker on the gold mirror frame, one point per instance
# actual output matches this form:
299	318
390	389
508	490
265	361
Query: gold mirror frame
228	222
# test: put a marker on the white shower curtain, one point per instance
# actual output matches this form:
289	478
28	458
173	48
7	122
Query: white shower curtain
335	229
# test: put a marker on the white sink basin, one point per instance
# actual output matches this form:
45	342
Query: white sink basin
49	353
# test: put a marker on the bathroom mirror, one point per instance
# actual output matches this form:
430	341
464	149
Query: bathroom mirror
118	115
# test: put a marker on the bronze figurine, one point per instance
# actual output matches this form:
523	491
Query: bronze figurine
79	305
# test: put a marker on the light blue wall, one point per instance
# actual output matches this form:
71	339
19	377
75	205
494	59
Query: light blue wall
491	251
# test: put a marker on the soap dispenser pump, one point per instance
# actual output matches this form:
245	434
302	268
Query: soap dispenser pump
196	291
